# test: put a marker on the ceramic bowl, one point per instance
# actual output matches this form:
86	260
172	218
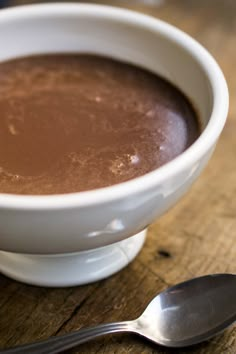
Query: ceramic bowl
78	238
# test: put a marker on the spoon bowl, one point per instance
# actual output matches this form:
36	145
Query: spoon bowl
183	315
190	312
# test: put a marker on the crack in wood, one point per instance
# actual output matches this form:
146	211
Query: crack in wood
76	309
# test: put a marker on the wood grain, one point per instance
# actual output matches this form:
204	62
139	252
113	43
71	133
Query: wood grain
196	237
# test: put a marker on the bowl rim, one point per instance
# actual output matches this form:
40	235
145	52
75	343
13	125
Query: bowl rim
206	140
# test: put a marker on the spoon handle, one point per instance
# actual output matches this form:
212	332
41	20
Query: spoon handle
58	344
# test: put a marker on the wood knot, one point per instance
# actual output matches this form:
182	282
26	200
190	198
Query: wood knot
164	253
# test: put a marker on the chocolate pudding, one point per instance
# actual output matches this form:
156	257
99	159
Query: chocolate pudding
71	123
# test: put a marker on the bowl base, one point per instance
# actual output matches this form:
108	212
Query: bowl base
60	270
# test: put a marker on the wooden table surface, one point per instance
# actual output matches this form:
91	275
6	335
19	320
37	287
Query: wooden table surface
196	237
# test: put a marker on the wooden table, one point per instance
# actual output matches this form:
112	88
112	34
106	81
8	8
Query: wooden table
196	237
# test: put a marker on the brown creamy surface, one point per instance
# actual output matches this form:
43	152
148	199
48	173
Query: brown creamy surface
72	123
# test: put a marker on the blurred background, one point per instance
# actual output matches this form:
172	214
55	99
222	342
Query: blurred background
148	5
4	3
118	2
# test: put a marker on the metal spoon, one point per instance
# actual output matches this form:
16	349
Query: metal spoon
183	315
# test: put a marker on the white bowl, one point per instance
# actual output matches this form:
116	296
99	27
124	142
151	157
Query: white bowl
82	237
